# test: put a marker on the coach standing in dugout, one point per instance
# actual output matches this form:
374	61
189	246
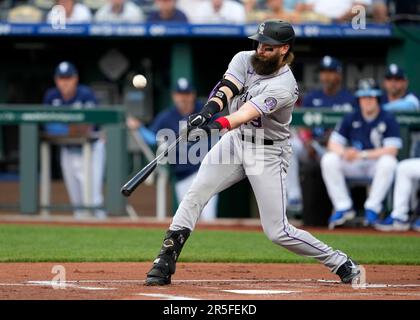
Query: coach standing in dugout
185	103
68	93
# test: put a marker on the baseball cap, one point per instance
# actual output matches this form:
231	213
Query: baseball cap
183	86
394	71
330	63
65	69
368	88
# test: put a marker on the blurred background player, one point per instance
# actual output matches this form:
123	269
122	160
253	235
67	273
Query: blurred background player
331	94
396	97
309	144
406	181
365	144
68	93
185	104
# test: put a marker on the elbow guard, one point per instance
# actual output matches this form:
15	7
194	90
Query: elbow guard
217	93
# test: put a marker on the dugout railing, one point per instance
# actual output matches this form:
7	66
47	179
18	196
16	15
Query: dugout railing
112	119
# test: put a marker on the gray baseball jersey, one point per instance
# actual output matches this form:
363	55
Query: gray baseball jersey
273	96
265	166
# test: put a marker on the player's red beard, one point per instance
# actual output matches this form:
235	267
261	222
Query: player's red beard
265	66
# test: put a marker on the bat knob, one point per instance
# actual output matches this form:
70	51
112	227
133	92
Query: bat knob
125	192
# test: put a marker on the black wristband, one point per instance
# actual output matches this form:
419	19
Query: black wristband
210	108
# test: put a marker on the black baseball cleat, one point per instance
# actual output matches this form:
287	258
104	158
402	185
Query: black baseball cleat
348	271
164	265
160	274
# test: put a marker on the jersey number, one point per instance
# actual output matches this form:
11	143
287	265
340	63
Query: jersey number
257	123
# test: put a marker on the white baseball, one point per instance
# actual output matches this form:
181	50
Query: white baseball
139	81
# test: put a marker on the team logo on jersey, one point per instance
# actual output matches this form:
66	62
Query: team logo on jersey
261	28
270	103
317	102
381	127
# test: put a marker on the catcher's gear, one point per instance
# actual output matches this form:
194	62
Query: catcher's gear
165	264
275	32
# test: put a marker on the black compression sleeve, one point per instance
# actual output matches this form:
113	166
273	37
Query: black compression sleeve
211	108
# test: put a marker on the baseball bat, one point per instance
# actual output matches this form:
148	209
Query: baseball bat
142	175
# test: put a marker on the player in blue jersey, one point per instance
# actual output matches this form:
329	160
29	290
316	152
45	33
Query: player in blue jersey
396	97
68	93
365	144
332	94
185	104
309	145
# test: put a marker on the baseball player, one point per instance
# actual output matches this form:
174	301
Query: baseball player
260	91
408	174
397	97
365	144
69	94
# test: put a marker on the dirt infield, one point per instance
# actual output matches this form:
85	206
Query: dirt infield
215	281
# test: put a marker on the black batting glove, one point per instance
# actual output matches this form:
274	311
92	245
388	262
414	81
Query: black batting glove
204	116
198	119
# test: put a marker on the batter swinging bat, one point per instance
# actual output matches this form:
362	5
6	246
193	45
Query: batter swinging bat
142	175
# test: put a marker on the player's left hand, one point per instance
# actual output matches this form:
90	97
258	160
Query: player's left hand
198	119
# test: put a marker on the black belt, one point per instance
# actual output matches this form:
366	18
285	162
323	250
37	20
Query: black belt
253	140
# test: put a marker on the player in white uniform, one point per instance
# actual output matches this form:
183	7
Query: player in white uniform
262	92
407	176
364	145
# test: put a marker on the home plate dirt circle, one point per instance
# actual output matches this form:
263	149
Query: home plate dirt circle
197	281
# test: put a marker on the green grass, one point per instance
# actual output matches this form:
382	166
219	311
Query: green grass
37	243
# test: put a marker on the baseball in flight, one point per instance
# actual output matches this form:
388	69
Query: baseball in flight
139	81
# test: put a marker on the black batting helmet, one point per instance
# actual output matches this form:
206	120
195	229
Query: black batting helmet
275	32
